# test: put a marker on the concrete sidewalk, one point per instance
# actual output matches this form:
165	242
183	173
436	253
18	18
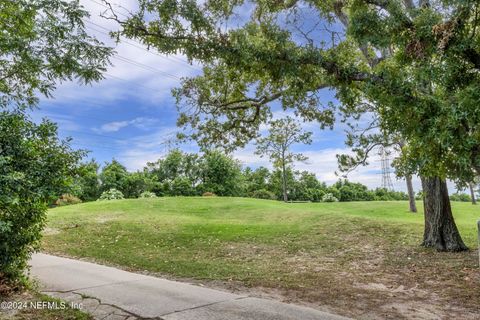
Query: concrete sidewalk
114	294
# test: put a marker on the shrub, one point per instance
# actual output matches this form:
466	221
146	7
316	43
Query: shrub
112	194
209	194
264	194
220	174
147	194
460	197
328	197
181	186
86	184
67	199
314	195
36	166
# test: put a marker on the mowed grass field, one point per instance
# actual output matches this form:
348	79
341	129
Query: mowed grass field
359	259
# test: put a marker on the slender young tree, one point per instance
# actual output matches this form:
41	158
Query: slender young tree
282	135
411	193
471	187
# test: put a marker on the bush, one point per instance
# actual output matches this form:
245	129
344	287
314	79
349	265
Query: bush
112	194
36	167
462	197
209	194
181	186
147	194
263	194
314	195
67	199
328	197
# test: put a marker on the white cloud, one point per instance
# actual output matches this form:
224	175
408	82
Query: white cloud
112	126
141	149
140	122
136	159
136	72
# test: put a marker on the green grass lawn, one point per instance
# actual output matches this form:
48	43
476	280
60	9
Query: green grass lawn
348	257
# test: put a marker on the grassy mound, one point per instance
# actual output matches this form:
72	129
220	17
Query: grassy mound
351	257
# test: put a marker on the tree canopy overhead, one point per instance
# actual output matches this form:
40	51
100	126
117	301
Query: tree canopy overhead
43	42
414	63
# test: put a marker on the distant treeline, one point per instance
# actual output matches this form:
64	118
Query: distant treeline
189	174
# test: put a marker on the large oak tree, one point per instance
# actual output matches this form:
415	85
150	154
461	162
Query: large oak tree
414	64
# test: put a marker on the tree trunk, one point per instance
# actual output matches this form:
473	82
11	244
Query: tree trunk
472	193
411	194
440	229
284	182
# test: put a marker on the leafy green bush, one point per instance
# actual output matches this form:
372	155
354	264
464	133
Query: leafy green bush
328	197
29	155
314	195
112	194
181	186
147	194
382	194
333	191
220	174
462	197
264	194
67	199
86	184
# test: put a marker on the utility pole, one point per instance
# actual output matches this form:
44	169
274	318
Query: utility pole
386	180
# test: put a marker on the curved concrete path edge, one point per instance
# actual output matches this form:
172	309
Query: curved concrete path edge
112	294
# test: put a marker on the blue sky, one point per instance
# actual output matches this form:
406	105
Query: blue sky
130	116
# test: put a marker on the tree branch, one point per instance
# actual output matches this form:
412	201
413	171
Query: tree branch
409	4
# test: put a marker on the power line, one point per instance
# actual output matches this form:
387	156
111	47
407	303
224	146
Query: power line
168	140
105	6
70	118
89	146
146	67
142	65
56	101
105	148
96	135
130	81
138	45
165	141
164	145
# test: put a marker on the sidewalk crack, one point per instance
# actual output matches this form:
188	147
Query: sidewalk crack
203	306
116	307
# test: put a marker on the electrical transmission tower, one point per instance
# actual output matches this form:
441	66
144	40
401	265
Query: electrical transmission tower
386	180
169	142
